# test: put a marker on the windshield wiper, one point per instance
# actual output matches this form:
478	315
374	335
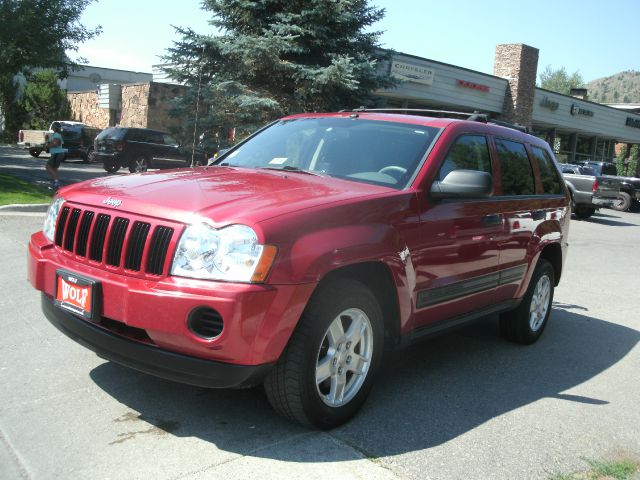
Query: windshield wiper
289	168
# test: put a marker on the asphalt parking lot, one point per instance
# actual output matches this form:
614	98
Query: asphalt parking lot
467	405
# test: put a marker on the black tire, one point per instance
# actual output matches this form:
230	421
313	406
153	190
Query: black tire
139	164
521	325
111	166
623	202
583	212
90	156
35	152
291	386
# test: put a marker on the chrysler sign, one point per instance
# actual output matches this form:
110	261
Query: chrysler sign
412	73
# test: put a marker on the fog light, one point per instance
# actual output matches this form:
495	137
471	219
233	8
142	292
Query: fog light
205	322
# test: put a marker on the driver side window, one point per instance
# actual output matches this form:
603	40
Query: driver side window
469	152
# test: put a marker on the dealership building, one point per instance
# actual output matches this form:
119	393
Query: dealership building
576	128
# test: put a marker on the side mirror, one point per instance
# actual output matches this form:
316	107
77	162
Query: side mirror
463	184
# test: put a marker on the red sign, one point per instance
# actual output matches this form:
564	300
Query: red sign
473	86
74	294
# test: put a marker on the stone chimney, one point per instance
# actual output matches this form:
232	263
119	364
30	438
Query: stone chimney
518	63
580	93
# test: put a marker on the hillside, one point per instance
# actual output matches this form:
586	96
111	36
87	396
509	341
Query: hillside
623	87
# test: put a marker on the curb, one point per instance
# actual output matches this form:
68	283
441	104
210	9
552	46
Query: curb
25	207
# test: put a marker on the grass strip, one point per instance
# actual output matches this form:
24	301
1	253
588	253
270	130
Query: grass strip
14	190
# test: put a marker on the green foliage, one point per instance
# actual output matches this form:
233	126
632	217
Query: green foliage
620	165
629	169
44	101
37	34
620	469
559	80
15	190
622	87
275	57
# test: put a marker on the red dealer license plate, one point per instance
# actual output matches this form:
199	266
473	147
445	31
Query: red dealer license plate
76	293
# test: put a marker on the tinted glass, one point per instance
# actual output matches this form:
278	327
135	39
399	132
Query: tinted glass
367	151
551	181
609	169
169	140
469	152
517	176
111	133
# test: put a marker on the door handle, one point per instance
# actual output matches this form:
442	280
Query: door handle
491	220
538	215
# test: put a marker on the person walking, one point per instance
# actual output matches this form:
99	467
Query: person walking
57	152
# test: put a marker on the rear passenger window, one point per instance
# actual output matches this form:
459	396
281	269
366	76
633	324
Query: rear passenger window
517	176
469	152
551	182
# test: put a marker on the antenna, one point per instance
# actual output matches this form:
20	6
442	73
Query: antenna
195	125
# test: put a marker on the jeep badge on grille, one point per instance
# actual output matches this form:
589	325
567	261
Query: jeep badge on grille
112	202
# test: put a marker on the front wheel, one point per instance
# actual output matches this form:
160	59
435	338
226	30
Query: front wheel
326	372
526	323
140	163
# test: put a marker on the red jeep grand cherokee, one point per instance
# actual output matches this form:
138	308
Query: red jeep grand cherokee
307	250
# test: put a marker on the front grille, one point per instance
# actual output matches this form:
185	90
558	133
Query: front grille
119	242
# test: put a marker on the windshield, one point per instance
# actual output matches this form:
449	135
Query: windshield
368	151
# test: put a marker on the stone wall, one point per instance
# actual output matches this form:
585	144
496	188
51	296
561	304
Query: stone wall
518	63
84	108
135	105
143	105
161	96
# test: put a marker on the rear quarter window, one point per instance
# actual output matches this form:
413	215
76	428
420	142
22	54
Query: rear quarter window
551	181
515	168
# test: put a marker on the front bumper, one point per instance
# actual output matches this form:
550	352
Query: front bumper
150	359
258	319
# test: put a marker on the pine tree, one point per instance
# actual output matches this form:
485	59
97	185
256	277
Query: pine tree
276	57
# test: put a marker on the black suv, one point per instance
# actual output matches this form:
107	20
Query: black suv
139	149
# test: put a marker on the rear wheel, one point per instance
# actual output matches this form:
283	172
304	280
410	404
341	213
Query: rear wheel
139	163
623	202
526	323
90	156
326	372
35	152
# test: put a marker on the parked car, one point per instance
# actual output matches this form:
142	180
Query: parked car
140	149
625	189
586	194
307	250
78	140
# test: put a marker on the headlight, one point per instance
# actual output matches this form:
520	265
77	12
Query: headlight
231	253
52	217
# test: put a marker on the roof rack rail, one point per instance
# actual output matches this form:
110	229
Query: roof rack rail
476	116
412	110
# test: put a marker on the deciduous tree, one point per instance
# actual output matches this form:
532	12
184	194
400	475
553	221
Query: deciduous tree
37	34
559	80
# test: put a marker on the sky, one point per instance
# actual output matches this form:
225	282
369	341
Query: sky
592	37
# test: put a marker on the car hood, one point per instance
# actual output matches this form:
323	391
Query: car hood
224	195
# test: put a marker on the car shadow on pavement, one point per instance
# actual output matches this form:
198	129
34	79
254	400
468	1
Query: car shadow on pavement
608	221
425	395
